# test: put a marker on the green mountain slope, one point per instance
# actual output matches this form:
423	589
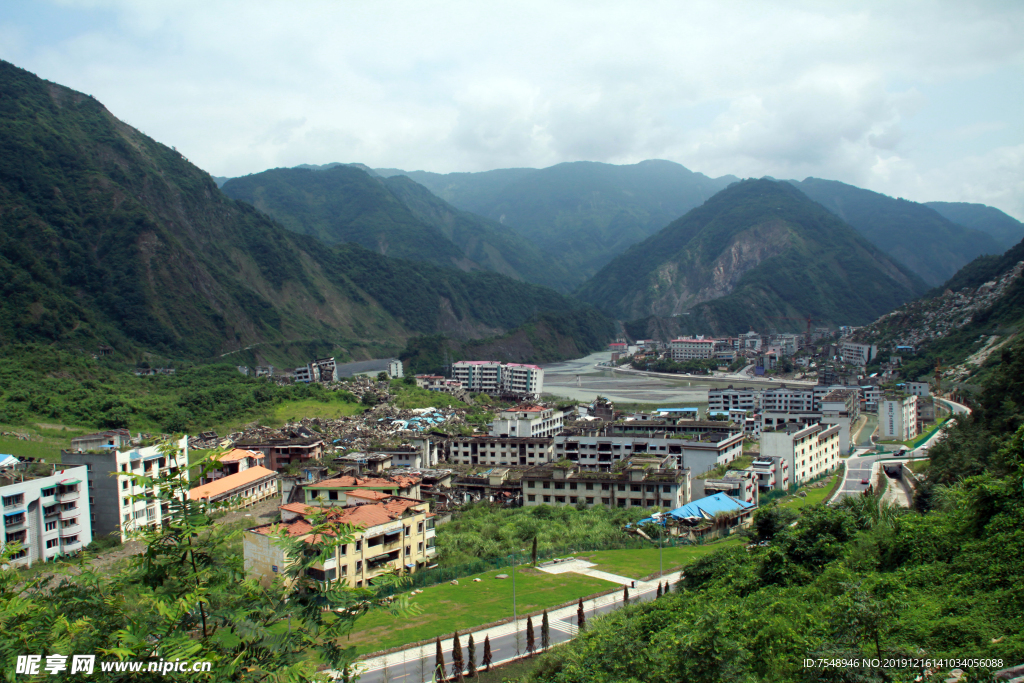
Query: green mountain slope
344	204
1006	230
110	238
487	243
919	237
756	250
585	212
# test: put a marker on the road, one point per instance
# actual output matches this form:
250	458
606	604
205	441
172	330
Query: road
415	665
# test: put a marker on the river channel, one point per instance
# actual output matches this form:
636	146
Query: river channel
580	380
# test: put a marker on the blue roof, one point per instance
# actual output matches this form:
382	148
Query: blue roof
708	507
677	410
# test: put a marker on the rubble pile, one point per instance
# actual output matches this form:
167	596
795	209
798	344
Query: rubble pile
924	320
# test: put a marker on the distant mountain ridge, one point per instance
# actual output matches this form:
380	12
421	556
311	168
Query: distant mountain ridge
914	234
586	212
757	250
1006	230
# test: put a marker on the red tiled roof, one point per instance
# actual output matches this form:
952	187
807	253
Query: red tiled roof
363	516
236	454
368	494
232	481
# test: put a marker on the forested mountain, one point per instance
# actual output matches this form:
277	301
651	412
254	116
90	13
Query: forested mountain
110	238
394	216
756	250
586	212
1006	230
913	234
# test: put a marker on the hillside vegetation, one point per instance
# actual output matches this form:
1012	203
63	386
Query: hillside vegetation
913	234
1006	230
109	238
586	212
757	250
855	582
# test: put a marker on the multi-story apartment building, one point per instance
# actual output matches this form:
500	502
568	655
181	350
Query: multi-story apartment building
283	452
391	534
637	482
494	378
114	438
785	399
240	489
897	417
527	421
842	402
45	509
918	388
483	376
771	472
738	484
743	398
112	491
337	490
691	349
857	354
597	452
809	450
500	451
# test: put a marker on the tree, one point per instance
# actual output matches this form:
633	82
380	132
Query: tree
383	376
545	632
534	553
530	644
486	662
581	617
471	658
625	595
658	594
457	664
439	662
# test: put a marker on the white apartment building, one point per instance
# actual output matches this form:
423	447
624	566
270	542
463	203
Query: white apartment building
785	399
918	388
503	451
601	452
114	509
897	418
395	369
527	421
728	399
48	514
492	377
857	354
691	349
809	450
518	378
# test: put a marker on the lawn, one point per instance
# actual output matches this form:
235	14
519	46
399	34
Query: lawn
446	608
637	564
815	496
918	466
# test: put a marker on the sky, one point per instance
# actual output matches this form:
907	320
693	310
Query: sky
921	100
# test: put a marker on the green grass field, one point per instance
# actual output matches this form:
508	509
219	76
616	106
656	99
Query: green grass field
815	496
296	410
637	564
446	608
918	466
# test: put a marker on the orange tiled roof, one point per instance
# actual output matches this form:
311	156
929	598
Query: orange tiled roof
372	482
363	516
232	481
236	454
369	494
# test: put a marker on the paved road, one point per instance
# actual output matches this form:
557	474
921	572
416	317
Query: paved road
858	468
415	665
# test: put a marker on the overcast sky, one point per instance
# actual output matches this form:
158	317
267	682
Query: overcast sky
913	99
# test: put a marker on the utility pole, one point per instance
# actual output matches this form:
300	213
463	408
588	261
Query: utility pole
515	616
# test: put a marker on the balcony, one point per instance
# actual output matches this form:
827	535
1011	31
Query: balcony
67	496
431	532
70	529
50	511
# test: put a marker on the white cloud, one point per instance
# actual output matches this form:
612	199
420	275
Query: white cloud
726	87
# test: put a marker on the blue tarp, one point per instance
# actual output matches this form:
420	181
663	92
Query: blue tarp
707	507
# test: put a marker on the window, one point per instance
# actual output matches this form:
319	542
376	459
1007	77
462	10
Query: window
125	501
408	530
359	566
16	519
572	499
124	485
419	528
50	526
48	492
635	502
127	518
547	499
408	550
666	488
65	523
332	495
343	550
605	487
590	487
636	487
590	501
572	486
71	539
547	484
559	485
359	546
68	506
622	487
531	498
16	499
559	499
529	484
53	543
419	547
606	501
